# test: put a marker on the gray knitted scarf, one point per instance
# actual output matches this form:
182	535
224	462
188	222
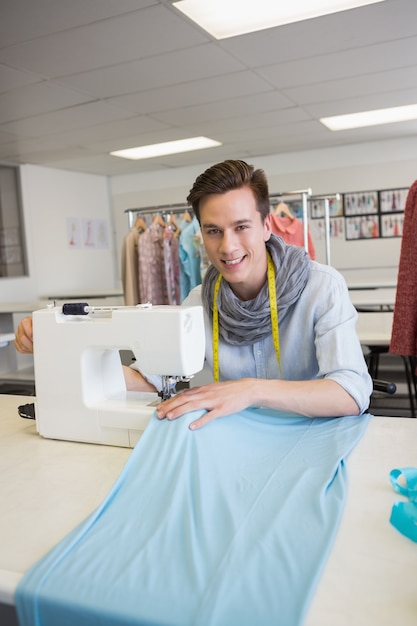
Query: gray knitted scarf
244	322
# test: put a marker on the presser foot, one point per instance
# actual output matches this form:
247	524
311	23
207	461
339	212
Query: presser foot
169	385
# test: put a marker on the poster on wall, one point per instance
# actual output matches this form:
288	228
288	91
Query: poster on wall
85	233
336	228
360	203
74	233
392	200
362	227
317	207
392	224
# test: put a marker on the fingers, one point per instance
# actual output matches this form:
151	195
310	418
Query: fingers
24	336
184	402
23	345
204	419
215	399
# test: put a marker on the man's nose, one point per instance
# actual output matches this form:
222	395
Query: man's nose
228	242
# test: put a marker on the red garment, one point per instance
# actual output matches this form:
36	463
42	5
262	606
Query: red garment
404	328
292	231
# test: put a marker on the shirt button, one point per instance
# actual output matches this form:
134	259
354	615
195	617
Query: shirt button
259	352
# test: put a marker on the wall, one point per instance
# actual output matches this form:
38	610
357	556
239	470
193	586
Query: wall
377	165
49	198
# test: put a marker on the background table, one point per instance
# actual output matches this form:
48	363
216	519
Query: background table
377	299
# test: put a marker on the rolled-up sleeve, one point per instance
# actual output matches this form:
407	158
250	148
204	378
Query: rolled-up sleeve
339	352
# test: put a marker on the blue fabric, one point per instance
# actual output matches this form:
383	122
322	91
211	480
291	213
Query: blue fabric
190	273
404	514
229	525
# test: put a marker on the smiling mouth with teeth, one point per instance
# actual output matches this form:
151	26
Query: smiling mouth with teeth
234	261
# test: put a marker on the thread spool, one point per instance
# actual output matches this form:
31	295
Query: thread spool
75	308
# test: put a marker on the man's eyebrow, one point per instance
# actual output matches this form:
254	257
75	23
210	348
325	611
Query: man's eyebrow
236	223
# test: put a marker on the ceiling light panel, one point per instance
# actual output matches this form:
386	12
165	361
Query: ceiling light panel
166	148
228	18
371	118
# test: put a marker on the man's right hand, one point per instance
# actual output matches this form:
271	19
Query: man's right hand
24	336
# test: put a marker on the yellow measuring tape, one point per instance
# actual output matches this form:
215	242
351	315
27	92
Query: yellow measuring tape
274	318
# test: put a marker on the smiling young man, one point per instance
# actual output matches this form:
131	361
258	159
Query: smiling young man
280	328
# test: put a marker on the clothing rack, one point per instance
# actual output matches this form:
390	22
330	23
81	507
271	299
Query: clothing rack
274	198
164	209
304	194
326	199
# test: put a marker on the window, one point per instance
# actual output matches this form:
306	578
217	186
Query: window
12	253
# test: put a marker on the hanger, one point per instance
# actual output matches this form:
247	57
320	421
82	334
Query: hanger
158	219
186	216
140	224
173	225
172	222
284	209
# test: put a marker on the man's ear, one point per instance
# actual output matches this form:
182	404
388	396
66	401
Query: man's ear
267	228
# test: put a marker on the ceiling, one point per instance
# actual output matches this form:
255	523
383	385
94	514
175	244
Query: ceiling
80	78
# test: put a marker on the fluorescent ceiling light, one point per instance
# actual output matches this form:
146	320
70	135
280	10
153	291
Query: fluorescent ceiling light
371	118
228	18
169	147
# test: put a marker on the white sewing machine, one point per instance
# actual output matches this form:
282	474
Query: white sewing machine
80	387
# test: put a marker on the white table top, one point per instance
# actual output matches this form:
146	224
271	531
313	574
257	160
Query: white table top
378	297
374	328
47	487
6	338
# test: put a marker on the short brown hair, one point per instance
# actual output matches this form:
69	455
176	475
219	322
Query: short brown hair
229	175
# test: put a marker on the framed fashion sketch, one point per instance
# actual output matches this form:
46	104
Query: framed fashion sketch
360	203
392	200
392	224
362	227
317	207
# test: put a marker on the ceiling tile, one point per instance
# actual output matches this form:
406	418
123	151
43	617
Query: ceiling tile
75	117
356	104
24	19
37	98
392	55
165	69
141	34
195	92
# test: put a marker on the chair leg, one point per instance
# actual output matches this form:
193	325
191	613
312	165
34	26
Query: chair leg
413	368
409	366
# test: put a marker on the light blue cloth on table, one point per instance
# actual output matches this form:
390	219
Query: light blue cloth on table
229	525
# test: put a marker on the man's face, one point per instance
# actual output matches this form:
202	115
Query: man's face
234	237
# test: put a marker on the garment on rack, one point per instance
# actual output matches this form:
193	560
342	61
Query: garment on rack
172	265
151	263
190	275
229	525
291	230
404	328
202	253
130	268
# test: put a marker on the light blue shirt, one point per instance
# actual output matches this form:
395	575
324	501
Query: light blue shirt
317	339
